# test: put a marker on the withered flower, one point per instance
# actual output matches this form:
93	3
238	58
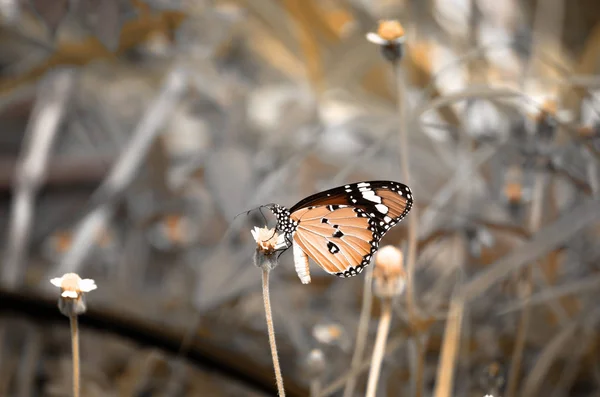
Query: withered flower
72	293
390	36
268	241
389	274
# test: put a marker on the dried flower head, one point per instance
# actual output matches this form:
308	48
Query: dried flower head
390	36
72	286
331	334
72	300
492	378
173	231
389	274
268	240
315	363
390	30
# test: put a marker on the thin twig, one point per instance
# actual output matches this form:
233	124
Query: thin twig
380	342
42	130
123	172
75	347
363	330
271	330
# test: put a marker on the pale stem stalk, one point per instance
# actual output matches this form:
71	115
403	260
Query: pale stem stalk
75	347
535	220
315	387
380	342
445	374
404	125
363	330
271	331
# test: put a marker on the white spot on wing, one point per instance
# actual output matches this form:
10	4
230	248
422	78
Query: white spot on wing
371	196
363	184
382	208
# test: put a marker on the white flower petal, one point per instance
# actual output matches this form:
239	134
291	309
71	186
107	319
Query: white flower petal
375	38
87	285
69	294
255	233
281	242
57	281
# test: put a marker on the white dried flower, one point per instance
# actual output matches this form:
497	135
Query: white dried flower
388	32
72	286
268	240
390	37
389	274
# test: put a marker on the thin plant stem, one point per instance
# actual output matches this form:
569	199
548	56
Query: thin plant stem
445	373
418	347
534	224
75	347
271	330
315	387
404	164
363	330
515	367
380	342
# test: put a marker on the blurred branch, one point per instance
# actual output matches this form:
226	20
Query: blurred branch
81	53
62	170
41	132
541	243
124	171
588	284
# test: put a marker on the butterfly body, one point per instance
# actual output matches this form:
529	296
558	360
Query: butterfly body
340	228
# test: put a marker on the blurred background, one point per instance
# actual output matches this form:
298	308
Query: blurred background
132	132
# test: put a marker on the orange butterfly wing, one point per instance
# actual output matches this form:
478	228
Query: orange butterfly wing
341	240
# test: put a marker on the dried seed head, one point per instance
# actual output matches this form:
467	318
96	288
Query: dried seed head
390	36
331	334
315	363
267	240
549	107
72	300
390	30
513	192
492	378
389	274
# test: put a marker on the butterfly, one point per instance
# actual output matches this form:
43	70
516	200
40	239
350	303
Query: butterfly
340	228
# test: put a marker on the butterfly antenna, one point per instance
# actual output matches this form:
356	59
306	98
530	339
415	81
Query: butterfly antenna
253	209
